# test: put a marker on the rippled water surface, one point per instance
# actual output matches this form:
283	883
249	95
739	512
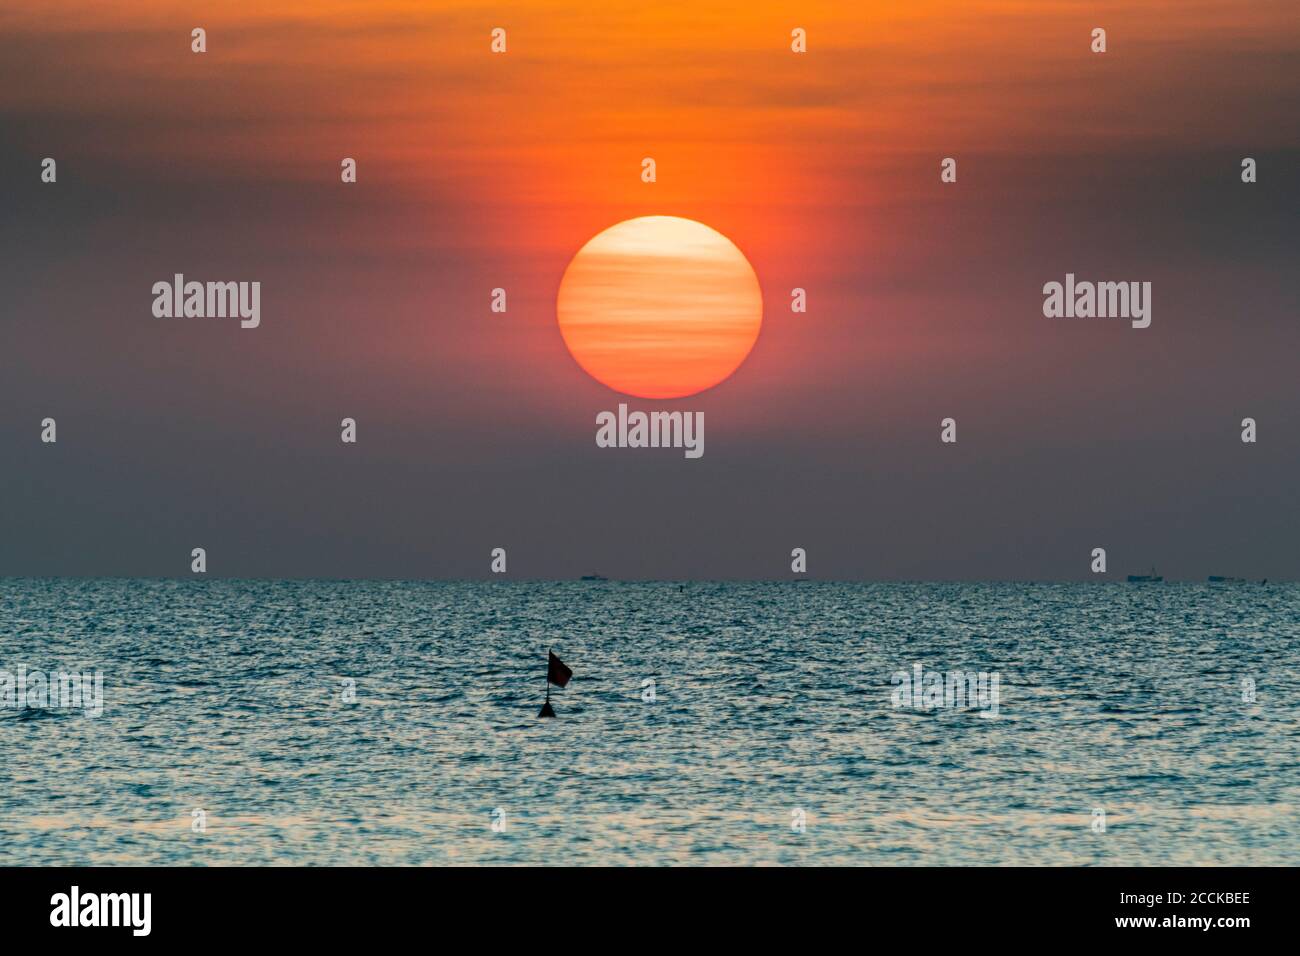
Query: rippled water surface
225	696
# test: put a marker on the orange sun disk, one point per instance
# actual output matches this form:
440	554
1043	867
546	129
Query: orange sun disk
659	307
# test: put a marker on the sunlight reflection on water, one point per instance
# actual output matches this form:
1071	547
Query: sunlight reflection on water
225	696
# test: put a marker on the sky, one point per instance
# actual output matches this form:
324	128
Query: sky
477	171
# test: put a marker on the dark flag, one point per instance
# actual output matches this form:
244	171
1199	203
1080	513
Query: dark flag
557	672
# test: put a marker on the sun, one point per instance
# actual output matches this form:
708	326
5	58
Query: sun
659	307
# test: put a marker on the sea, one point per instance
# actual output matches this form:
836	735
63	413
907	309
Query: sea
330	723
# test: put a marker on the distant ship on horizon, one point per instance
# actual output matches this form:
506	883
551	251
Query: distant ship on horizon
1151	578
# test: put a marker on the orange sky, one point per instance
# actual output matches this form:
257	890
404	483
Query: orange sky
818	166
545	142
479	171
582	94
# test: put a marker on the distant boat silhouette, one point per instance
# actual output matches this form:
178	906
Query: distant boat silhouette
593	577
1151	578
1220	579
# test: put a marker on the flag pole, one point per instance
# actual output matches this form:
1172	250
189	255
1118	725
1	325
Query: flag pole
546	707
